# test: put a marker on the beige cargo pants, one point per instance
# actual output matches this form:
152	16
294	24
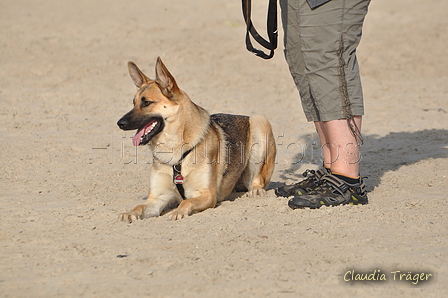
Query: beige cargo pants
320	48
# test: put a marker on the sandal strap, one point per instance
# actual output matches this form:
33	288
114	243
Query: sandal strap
343	188
314	174
320	173
336	182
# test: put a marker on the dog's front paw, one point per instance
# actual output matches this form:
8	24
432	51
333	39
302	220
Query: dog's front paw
132	216
256	192
177	214
128	217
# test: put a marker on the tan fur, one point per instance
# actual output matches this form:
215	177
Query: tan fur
211	171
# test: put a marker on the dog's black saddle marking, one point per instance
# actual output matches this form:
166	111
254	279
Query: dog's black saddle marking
236	131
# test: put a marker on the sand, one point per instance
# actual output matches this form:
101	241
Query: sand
67	171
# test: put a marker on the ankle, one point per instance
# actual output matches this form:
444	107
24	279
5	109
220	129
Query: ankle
348	179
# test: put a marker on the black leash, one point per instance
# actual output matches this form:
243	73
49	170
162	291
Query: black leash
178	179
271	30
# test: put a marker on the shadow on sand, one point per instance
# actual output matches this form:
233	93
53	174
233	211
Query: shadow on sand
383	154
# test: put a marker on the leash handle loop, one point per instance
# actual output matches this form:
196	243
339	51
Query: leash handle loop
271	25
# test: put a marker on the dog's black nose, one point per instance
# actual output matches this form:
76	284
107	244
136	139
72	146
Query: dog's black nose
122	123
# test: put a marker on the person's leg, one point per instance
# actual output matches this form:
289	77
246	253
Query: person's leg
320	48
294	55
340	148
343	184
295	59
323	138
329	36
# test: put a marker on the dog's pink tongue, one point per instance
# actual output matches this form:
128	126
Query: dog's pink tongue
136	139
138	136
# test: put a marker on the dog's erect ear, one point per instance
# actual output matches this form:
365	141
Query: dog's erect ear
137	76
165	80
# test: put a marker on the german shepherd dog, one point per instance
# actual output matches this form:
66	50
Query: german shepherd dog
210	155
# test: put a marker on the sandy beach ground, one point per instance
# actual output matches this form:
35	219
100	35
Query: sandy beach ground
67	171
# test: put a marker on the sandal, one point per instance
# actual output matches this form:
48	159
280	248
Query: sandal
303	187
332	191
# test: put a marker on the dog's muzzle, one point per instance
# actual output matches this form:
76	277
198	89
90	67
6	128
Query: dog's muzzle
147	128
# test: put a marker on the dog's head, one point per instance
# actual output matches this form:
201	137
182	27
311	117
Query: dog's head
155	103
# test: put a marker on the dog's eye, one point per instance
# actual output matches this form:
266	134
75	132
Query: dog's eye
145	102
